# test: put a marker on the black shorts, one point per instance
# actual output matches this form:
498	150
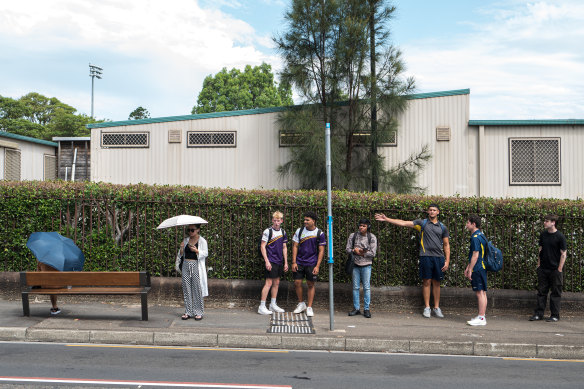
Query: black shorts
276	271
304	271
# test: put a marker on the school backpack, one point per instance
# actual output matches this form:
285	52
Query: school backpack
269	238
493	258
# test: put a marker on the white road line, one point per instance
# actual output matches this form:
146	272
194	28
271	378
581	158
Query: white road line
147	383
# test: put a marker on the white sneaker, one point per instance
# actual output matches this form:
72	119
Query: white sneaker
301	307
275	308
438	313
309	312
262	310
427	312
477	321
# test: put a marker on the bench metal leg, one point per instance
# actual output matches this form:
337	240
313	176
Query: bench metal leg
144	299
25	306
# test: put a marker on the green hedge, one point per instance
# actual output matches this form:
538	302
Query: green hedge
95	216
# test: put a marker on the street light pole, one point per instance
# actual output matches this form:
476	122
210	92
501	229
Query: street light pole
94	71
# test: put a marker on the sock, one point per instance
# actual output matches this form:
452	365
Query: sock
273	302
263	303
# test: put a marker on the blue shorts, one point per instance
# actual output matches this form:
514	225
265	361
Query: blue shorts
431	268
479	280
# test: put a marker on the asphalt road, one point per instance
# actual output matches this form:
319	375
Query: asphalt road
146	366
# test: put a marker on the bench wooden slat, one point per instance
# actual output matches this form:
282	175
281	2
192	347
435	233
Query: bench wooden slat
73	278
87	290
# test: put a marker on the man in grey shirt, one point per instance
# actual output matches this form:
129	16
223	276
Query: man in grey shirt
434	254
363	245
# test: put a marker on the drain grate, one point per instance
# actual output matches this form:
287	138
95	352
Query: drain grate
290	323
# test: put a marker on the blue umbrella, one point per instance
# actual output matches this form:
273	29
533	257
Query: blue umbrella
55	250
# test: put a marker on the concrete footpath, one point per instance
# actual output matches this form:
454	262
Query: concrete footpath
506	334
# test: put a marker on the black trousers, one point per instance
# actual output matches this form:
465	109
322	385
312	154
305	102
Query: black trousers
549	279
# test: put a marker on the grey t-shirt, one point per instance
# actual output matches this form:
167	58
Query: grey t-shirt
431	238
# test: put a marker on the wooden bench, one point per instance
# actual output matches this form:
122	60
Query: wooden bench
85	283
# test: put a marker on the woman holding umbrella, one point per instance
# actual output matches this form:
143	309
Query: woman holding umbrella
192	254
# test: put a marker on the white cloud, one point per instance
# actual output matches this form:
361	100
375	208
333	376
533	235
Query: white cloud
177	42
525	62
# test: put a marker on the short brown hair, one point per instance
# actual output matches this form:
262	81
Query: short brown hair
551	217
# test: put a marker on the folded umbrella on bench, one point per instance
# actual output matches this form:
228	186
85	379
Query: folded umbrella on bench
55	250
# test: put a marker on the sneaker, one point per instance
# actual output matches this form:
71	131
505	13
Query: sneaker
309	312
262	310
55	311
301	307
477	321
438	313
427	312
275	308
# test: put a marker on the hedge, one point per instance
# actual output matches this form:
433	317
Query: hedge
115	226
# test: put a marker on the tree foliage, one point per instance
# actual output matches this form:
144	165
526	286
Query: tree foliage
235	90
139	113
41	117
337	54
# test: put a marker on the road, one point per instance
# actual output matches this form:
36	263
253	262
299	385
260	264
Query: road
85	365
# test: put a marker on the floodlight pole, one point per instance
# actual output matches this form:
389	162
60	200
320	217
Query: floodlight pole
330	225
94	71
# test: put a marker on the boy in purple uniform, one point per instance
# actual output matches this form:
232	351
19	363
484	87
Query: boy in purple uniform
275	254
307	254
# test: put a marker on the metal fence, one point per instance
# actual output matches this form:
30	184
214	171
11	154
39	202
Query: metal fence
120	234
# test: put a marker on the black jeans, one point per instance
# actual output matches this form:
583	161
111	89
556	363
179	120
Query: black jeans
549	279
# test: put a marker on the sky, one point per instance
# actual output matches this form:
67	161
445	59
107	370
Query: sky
520	59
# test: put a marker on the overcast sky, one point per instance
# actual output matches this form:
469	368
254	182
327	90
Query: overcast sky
521	60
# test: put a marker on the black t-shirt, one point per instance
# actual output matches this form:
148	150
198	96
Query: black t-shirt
189	254
551	244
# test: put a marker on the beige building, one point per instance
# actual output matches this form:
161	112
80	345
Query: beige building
24	158
242	149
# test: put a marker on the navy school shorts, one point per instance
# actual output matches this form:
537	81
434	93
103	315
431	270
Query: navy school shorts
431	268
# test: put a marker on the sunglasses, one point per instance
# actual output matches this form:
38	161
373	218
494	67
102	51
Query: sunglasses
192	229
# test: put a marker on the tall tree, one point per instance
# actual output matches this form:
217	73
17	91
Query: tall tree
139	113
326	48
41	117
235	90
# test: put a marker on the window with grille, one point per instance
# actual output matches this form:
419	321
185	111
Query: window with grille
288	139
211	139
50	167
386	138
125	140
12	165
534	161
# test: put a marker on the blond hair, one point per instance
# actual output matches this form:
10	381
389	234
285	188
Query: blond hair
278	215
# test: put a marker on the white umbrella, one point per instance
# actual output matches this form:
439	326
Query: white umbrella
181	220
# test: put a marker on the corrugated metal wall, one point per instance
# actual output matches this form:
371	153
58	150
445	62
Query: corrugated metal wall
452	168
252	164
497	162
31	160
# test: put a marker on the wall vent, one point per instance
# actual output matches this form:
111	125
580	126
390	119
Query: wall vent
443	134
174	136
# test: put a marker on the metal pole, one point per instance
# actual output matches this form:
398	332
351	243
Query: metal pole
92	78
330	225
